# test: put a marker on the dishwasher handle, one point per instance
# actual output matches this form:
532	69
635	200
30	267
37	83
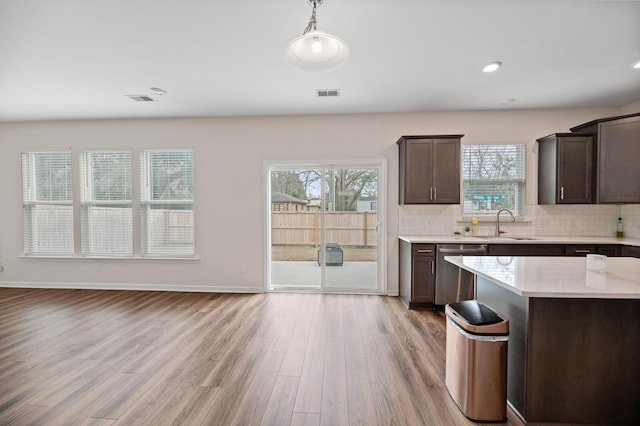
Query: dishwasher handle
467	251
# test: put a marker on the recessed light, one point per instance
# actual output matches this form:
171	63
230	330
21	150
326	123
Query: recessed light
158	91
637	65
492	66
508	101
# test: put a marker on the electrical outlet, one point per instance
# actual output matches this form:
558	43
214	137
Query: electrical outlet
243	269
98	266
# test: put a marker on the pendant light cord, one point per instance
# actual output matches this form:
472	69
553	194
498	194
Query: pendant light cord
312	22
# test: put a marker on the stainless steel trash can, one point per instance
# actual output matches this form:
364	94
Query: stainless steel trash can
476	360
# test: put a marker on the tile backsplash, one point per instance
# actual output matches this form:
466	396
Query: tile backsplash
596	220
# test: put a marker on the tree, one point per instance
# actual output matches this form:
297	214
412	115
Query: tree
492	177
343	187
288	182
348	185
310	179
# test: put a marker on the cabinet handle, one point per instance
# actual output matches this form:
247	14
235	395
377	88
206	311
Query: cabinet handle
582	251
433	269
425	251
431	194
562	192
435	194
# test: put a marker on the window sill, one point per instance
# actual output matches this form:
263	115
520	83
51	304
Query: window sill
492	220
195	259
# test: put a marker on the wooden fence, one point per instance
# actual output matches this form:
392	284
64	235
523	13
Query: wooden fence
303	228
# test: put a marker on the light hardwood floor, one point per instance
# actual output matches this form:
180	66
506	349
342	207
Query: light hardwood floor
125	357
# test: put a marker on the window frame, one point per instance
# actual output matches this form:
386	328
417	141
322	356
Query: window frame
88	200
519	181
77	203
31	200
148	201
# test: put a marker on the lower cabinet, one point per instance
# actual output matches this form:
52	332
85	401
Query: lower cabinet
610	250
417	274
630	251
417	278
525	249
423	278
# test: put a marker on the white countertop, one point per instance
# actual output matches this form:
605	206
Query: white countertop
448	239
559	277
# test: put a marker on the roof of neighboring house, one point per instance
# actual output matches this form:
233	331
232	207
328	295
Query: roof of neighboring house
279	197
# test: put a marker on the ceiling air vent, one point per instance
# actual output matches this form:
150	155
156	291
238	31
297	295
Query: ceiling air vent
141	98
327	93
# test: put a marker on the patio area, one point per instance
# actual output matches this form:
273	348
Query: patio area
306	275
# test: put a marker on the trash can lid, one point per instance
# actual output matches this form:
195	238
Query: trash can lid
476	313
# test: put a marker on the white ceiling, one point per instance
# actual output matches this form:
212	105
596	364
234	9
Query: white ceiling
77	59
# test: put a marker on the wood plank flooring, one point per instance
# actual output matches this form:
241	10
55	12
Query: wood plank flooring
80	357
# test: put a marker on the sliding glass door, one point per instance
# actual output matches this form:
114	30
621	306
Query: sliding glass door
324	226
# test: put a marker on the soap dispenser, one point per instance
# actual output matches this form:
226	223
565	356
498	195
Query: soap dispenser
619	228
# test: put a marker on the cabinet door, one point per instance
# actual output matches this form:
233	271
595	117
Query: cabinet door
526	250
618	170
581	249
418	156
446	171
575	170
610	250
565	169
630	251
423	276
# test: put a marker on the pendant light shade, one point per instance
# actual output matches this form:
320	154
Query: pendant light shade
317	50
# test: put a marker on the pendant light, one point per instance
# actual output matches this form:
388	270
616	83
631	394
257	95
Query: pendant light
316	50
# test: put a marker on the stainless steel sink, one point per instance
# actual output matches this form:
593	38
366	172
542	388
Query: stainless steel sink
504	238
524	238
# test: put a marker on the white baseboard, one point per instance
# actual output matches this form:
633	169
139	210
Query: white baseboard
133	286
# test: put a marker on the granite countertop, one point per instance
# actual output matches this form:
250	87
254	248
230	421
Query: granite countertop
557	277
451	239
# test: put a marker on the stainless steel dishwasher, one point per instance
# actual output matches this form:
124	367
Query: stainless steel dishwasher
452	283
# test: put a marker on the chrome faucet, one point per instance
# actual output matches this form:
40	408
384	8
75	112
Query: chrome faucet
513	219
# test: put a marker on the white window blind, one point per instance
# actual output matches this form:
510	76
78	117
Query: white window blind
493	179
167	202
47	203
106	206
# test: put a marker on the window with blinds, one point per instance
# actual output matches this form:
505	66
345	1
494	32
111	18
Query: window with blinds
167	202
106	206
493	179
47	203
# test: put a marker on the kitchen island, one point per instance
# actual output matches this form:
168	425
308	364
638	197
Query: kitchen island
574	344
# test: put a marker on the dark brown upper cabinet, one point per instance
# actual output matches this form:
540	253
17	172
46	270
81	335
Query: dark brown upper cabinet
618	157
430	169
566	169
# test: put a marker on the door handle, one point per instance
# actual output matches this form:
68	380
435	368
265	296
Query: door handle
562	192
